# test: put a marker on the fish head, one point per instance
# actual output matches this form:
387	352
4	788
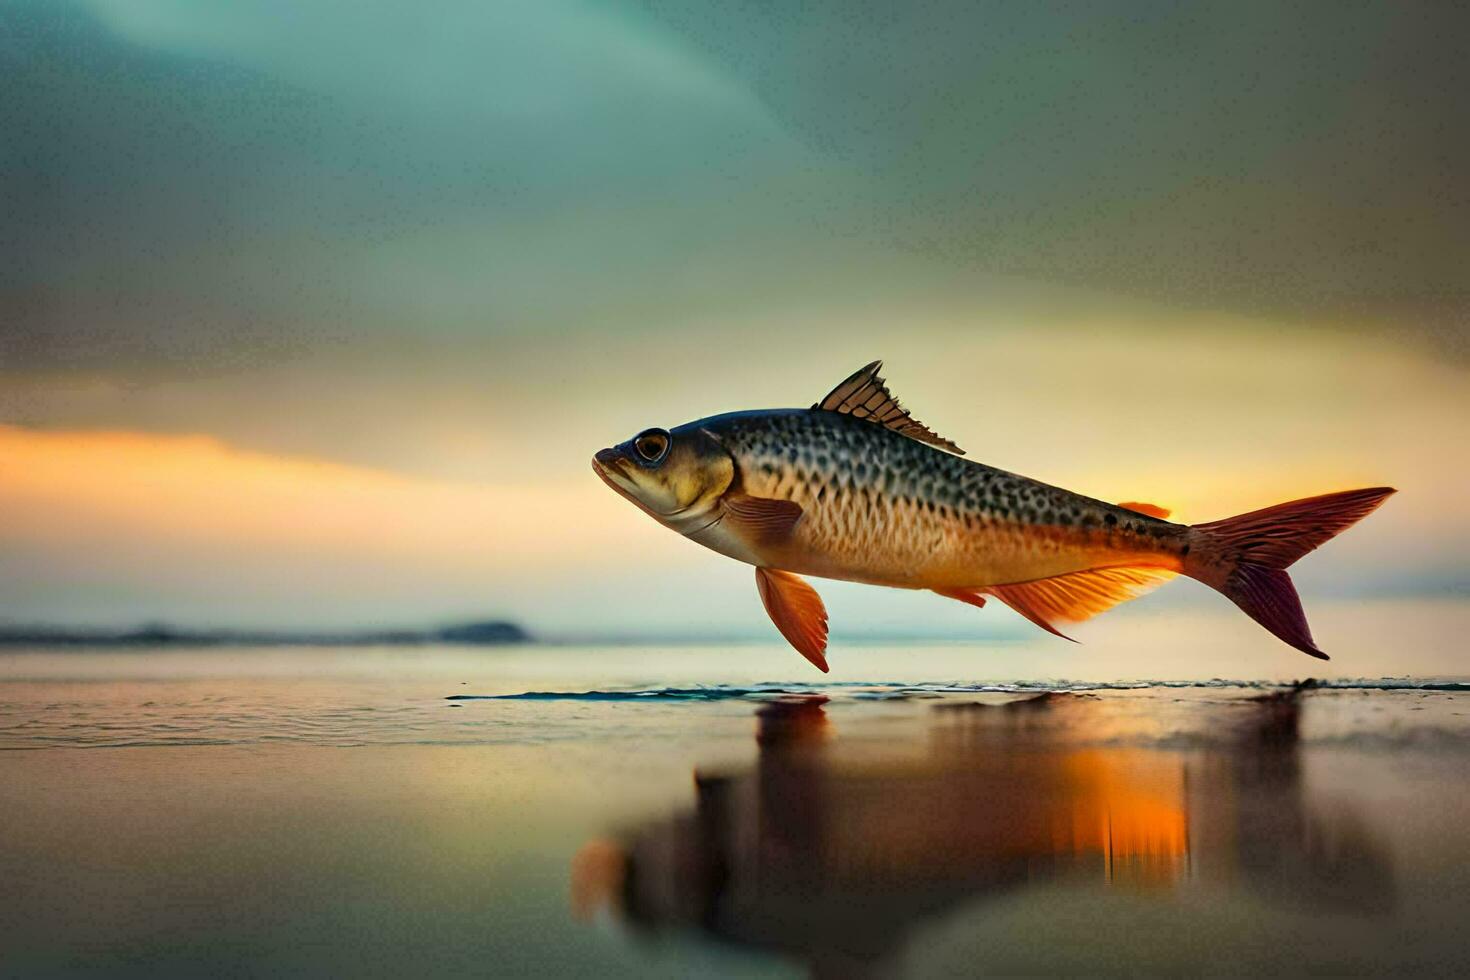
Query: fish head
674	476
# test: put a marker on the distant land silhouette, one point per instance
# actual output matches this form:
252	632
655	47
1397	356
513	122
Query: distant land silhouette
480	633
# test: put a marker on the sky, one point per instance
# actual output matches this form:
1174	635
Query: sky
313	314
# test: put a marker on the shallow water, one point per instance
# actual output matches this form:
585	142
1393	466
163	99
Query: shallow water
639	811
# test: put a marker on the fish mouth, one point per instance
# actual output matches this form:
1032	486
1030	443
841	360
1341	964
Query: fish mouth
608	465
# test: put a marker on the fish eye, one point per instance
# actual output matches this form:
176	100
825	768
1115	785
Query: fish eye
651	445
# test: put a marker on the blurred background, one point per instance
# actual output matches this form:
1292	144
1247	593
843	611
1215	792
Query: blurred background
312	314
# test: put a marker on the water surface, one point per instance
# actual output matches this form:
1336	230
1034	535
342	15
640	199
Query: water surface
637	811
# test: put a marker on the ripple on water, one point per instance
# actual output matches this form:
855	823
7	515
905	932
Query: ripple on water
383	715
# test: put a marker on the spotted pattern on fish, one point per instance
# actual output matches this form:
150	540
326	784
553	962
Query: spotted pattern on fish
854	489
885	509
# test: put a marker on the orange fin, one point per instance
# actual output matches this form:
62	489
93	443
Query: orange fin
864	395
1148	510
765	519
797	611
1077	596
1019	598
972	596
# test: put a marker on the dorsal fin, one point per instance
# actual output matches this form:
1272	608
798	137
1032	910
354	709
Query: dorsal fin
864	395
1148	510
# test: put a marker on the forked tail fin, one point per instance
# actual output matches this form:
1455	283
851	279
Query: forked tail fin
1246	557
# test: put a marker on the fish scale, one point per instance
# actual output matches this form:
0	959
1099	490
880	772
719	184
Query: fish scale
856	488
885	509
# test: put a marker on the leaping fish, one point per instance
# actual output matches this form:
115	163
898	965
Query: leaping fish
855	488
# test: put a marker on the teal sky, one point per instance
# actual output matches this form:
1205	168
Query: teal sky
466	244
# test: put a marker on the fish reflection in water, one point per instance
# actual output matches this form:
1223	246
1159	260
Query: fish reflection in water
836	853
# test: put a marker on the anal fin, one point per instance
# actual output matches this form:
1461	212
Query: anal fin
1078	596
1024	601
797	611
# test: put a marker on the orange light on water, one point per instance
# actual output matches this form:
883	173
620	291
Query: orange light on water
1131	806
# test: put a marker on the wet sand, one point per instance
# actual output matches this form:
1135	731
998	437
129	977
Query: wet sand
377	825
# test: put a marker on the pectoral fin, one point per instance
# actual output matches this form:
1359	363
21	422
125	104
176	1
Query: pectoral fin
762	519
797	611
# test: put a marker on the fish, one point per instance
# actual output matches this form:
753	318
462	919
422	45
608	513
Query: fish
856	489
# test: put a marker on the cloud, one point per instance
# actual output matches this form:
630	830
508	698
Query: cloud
185	525
1273	159
490	505
203	188
1206	254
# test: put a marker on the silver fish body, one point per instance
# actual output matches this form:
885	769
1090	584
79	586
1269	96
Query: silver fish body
855	488
884	509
